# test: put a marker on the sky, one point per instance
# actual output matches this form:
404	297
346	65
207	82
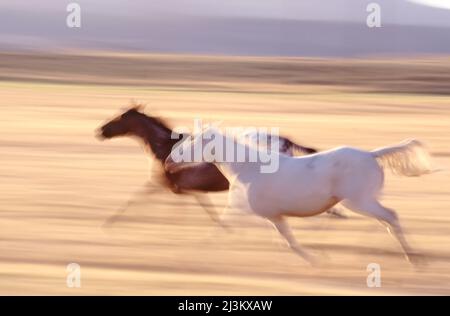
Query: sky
249	27
441	4
394	11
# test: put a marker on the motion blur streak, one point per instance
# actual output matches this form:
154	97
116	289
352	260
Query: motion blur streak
313	69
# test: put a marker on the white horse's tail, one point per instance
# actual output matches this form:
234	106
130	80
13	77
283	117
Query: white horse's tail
409	158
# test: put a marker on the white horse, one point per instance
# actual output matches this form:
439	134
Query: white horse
309	185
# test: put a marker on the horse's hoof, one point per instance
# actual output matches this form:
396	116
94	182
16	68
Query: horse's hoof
419	261
107	224
227	229
337	213
313	262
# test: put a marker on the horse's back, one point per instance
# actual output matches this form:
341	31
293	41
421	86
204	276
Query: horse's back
344	168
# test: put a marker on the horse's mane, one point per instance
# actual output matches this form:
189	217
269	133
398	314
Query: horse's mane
155	120
160	140
158	121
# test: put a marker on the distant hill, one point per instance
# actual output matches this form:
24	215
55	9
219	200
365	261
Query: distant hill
227	35
429	75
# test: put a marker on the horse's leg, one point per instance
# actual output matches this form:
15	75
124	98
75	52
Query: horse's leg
387	217
285	231
205	202
223	219
147	189
336	212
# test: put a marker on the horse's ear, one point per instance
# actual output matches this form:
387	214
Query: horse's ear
137	106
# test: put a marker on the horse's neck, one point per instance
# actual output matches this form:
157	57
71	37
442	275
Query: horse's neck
158	140
231	169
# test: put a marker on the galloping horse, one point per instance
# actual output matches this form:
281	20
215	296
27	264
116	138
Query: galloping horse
159	139
309	185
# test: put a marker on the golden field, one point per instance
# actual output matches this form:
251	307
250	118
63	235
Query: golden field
59	183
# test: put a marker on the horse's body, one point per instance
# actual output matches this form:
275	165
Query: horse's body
309	185
159	140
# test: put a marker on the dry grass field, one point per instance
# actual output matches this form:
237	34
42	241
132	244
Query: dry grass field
59	183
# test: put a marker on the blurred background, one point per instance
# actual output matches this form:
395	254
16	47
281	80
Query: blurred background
315	70
234	27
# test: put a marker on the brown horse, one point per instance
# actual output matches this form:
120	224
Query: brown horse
159	139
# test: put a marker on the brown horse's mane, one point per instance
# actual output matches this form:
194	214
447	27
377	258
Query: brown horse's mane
156	120
159	141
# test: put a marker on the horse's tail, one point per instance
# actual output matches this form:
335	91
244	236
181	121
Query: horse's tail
409	158
301	149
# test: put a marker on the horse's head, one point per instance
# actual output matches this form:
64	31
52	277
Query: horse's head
126	123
